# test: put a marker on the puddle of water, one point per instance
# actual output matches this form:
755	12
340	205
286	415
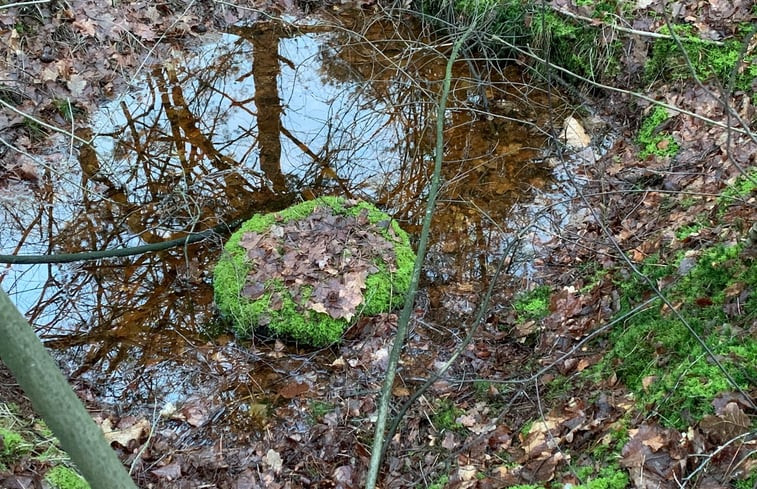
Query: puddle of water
254	121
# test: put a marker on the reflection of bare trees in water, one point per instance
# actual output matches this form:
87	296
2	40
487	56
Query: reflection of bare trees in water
207	146
496	128
172	169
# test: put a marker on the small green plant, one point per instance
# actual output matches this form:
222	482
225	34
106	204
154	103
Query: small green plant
67	109
533	304
439	483
35	130
445	416
64	478
652	141
319	409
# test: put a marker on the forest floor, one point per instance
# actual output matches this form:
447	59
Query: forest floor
590	379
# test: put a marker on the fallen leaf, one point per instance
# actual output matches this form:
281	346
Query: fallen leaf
731	423
295	389
273	460
171	471
125	435
449	442
466	472
343	475
77	84
85	26
466	420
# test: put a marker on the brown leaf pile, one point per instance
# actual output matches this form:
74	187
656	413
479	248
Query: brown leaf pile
322	261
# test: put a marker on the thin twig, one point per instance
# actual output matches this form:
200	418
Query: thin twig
23	4
386	392
628	30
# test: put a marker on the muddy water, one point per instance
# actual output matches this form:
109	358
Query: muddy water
253	121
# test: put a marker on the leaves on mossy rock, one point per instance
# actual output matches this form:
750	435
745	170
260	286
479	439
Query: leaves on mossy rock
331	254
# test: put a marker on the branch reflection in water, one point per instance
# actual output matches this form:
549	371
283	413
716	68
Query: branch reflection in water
254	121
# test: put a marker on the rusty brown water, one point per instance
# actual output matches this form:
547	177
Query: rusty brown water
253	121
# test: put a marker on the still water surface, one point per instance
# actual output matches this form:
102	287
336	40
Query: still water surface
253	121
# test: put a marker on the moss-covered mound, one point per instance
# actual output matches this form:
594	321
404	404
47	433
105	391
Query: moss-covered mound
309	271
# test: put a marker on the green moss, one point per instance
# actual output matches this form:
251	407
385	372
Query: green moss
526	428
748	483
12	445
657	357
595	276
707	59
633	288
439	483
533	304
608	450
481	388
445	416
384	290
580	47
611	477
576	46
653	142
738	190
65	478
684	232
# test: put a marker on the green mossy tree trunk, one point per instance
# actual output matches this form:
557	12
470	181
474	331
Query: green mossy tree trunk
52	397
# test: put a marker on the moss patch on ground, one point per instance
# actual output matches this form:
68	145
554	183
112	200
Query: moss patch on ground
27	442
65	478
653	141
664	362
533	304
316	306
688	55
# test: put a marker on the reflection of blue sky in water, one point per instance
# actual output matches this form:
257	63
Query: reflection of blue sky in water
331	116
20	209
333	119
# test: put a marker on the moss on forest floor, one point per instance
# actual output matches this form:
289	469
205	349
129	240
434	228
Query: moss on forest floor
29	442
